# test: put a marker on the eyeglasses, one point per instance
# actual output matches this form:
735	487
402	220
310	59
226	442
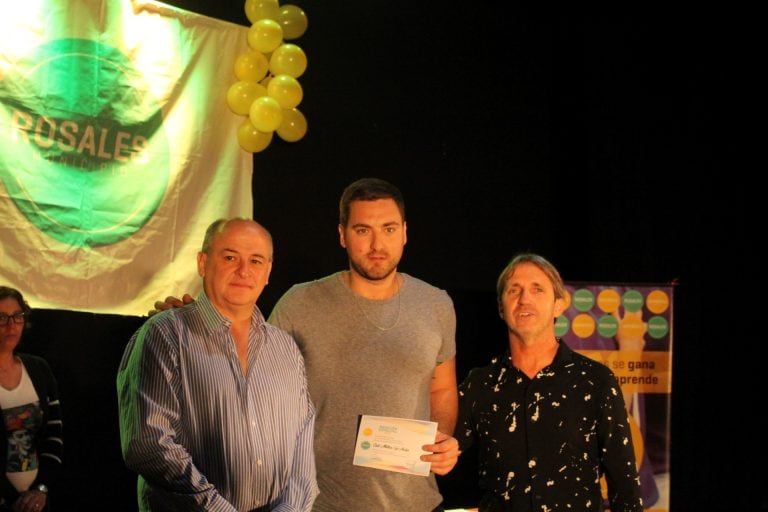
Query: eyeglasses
17	318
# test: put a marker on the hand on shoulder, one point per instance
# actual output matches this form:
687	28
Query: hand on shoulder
171	302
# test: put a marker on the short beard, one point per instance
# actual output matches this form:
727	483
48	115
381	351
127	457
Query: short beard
372	277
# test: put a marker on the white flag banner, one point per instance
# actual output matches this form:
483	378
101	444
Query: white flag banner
117	150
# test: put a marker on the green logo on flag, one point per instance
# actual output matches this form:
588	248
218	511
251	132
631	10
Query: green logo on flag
82	151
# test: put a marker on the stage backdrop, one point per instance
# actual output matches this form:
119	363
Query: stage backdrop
629	328
117	149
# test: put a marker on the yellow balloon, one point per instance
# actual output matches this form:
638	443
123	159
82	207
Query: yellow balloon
251	139
265	35
257	10
293	127
251	66
288	59
293	21
265	114
241	94
286	90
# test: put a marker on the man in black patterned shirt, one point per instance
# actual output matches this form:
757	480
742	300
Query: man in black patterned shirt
547	422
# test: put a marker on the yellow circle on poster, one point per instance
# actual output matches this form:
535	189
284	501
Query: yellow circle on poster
583	325
657	301
631	327
608	300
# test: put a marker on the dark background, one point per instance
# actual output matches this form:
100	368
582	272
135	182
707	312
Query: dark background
603	142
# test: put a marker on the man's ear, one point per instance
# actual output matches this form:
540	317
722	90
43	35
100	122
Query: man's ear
559	306
342	240
201	263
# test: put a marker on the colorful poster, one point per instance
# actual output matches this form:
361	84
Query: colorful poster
117	150
629	329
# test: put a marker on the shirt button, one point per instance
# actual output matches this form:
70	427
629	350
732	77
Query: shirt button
258	462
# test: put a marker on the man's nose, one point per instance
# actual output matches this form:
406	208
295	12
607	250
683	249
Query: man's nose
376	241
243	268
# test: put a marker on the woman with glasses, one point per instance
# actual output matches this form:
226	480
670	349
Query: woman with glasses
30	425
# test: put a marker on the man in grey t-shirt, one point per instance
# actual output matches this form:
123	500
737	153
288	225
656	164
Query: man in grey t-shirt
378	342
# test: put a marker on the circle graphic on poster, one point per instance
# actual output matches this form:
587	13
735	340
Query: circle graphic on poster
658	327
583	299
632	301
607	326
608	300
657	302
561	326
583	325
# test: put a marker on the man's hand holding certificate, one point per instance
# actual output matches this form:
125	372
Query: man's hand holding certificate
394	444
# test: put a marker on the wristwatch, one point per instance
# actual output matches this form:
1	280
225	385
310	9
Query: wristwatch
42	488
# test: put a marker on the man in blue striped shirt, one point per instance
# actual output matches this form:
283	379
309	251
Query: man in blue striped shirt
213	402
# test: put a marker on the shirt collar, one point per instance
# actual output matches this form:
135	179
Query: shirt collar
563	356
214	320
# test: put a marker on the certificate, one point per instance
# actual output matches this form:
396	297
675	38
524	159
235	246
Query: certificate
394	444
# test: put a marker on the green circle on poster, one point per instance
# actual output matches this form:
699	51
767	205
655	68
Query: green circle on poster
89	161
658	327
632	300
583	299
607	326
561	326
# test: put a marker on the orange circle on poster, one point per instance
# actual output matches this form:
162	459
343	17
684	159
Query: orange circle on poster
608	300
657	301
631	327
583	325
